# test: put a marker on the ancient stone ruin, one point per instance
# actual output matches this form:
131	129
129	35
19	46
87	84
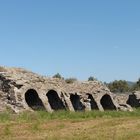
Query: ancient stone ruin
24	90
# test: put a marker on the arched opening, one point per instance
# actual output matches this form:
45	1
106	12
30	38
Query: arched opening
133	101
33	100
92	102
54	100
107	103
77	105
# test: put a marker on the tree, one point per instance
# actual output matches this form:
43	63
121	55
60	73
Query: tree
58	76
137	85
91	78
119	86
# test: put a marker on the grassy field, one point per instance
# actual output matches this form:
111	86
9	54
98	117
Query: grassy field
63	125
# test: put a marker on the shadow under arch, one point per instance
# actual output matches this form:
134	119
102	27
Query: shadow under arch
93	103
133	101
54	100
107	103
33	100
75	100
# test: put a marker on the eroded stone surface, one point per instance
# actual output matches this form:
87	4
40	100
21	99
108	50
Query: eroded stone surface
24	90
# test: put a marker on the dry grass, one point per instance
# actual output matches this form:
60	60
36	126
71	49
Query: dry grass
97	128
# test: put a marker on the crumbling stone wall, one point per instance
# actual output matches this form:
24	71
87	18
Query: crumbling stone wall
23	90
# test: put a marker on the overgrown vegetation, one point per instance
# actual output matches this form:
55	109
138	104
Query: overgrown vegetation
137	85
43	116
58	76
122	86
67	80
92	78
70	80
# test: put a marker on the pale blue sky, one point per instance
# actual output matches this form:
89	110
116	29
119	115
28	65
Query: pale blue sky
77	38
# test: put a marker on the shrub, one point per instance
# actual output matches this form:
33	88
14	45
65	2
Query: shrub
58	76
119	86
70	80
91	78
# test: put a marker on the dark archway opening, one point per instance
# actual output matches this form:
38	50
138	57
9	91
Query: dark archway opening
107	103
92	102
133	101
77	105
54	100
33	100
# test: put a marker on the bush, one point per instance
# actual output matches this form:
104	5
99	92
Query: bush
70	80
58	76
119	86
91	78
136	86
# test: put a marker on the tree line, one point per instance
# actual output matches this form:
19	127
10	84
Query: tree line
122	86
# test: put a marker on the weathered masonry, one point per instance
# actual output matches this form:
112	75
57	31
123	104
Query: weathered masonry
23	90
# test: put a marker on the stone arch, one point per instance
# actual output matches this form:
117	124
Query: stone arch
133	101
107	103
54	100
93	103
33	100
75	100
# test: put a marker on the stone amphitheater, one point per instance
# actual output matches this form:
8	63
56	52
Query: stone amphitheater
23	90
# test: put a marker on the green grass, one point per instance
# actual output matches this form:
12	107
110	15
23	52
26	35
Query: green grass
64	115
